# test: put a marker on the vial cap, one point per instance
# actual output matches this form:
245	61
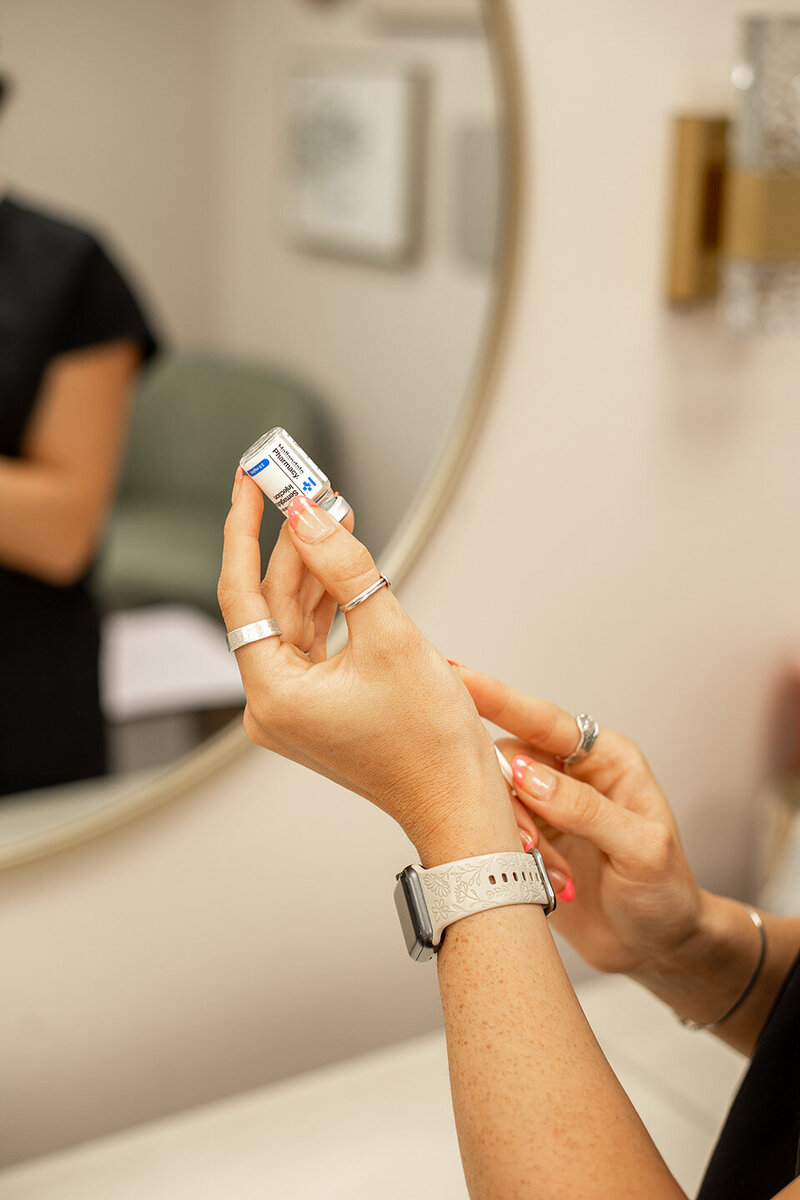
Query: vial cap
338	508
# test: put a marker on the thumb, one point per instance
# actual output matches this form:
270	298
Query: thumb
338	560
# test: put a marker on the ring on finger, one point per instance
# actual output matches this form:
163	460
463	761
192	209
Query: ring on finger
255	632
380	582
588	729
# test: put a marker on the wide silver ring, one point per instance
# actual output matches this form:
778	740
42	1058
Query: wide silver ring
588	730
380	582
255	632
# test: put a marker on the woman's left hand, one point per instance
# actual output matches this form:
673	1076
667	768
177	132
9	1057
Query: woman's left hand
387	716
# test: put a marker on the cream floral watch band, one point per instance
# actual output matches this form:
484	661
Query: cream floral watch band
471	885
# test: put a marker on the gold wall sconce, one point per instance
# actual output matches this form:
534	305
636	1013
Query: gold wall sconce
735	213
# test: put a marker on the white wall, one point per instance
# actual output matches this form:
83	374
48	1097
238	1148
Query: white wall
638	562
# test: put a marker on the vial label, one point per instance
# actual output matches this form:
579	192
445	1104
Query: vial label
281	473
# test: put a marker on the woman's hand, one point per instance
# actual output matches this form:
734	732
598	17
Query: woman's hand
387	716
636	903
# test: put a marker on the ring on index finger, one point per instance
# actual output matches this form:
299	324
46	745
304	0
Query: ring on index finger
588	729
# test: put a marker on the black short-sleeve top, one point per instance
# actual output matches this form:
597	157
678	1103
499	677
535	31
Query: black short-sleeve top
59	292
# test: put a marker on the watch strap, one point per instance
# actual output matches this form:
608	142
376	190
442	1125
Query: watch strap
472	885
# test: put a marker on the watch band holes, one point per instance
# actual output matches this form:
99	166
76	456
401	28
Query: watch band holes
492	879
515	877
505	877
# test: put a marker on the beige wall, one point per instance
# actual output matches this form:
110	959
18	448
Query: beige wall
390	350
162	124
631	554
113	121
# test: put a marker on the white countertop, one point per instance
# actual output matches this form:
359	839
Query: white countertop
381	1125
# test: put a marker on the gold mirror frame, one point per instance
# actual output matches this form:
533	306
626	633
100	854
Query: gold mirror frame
407	542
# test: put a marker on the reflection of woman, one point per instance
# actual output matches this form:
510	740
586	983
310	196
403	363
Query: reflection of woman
538	1110
71	340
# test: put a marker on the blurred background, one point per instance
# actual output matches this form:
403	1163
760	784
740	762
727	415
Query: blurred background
623	539
309	206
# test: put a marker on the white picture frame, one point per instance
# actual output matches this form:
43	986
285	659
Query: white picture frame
352	143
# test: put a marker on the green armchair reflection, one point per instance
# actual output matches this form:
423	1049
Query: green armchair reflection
194	417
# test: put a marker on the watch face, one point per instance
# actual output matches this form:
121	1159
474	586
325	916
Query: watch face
413	913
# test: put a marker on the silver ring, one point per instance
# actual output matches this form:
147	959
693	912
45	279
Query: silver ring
380	582
255	632
588	730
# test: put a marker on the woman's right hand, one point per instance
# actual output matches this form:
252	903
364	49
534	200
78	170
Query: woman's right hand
637	905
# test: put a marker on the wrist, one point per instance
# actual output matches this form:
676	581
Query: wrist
704	974
474	819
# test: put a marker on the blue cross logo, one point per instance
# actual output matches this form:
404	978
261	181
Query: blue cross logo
309	484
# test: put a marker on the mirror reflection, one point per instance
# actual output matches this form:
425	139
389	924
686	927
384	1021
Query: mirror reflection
195	247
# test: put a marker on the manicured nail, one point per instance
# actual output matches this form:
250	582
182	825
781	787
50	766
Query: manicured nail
558	879
533	777
237	479
568	893
527	840
454	662
308	520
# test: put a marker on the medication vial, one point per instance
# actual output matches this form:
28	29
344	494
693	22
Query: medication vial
282	469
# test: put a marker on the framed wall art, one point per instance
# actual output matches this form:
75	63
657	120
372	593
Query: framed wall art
353	141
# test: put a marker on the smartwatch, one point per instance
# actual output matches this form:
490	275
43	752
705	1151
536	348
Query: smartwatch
430	900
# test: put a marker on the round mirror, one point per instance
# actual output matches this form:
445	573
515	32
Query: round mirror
311	209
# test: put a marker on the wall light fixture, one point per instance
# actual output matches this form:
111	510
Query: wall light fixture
735	222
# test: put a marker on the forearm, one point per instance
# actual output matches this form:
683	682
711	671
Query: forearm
45	531
538	1110
53	499
705	976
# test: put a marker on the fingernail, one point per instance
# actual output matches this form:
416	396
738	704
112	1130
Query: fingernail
527	840
568	894
558	879
237	479
533	777
454	662
308	520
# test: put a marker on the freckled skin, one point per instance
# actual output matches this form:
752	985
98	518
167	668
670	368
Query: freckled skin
539	1112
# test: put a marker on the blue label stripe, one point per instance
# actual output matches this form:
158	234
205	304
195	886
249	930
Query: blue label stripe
259	467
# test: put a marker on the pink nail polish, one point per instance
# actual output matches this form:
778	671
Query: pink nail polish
296	506
239	474
568	893
454	662
527	840
519	766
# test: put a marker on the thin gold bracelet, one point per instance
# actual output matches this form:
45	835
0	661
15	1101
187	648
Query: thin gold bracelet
759	924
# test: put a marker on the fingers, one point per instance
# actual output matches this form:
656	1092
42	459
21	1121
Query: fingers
343	566
558	868
282	587
239	588
297	599
538	722
579	809
239	591
312	590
